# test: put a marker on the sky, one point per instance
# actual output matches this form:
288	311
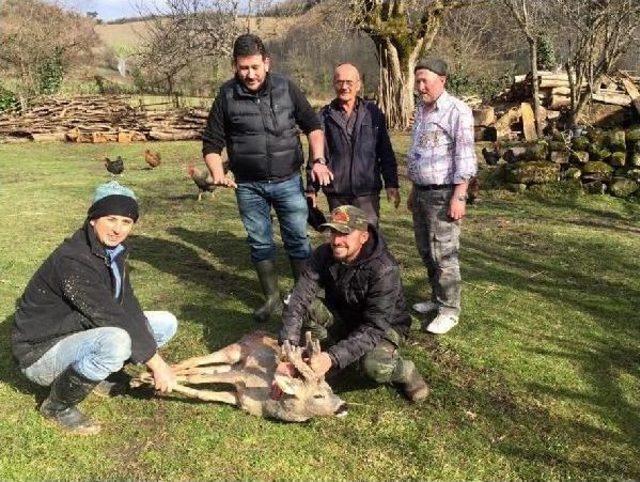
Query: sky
112	9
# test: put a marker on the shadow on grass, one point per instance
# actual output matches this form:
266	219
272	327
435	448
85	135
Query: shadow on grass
9	370
521	427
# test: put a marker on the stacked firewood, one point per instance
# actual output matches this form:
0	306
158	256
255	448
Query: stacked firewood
514	118
99	119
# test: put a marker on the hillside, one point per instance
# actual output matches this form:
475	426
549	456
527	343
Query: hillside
128	34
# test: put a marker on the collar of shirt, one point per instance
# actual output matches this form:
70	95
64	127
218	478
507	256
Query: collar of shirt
113	253
441	103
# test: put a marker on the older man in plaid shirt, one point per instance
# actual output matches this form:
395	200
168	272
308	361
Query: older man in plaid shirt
440	163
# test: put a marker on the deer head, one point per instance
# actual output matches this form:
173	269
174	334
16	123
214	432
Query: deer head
306	396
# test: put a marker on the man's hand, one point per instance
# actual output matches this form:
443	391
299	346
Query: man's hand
457	208
393	194
214	163
163	377
410	201
320	363
321	174
313	197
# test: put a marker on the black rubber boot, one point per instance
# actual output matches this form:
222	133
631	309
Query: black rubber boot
297	265
268	277
115	384
69	389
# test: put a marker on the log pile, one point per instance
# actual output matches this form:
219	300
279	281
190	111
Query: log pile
616	98
599	161
99	119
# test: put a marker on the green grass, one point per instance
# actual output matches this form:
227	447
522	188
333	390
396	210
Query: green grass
540	380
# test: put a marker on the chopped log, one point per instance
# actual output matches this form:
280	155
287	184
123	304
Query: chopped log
503	125
484	116
633	92
174	136
528	122
559	102
560	91
612	99
49	137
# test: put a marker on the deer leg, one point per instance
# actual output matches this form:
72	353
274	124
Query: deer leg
228	355
200	196
228	377
208	395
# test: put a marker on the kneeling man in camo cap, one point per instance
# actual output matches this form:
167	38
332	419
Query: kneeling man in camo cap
79	321
363	317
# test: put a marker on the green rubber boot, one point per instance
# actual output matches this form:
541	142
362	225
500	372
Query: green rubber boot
268	277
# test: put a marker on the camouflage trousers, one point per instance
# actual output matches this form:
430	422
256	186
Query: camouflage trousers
438	241
383	364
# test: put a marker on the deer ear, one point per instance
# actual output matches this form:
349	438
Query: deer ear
287	384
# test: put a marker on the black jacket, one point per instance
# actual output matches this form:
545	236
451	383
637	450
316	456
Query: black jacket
73	291
358	166
260	129
366	294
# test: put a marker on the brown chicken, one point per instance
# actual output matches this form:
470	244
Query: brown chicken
152	158
203	179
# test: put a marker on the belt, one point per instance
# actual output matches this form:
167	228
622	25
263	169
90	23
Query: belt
433	187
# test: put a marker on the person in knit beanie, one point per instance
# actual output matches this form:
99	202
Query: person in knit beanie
79	321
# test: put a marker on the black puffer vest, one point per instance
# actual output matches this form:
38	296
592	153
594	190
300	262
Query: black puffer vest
261	133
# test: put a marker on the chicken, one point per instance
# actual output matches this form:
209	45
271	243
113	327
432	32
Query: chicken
114	167
491	157
152	158
203	179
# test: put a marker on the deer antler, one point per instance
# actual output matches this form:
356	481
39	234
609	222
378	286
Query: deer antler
294	355
312	346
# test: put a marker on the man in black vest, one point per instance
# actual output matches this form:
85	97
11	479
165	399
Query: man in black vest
359	151
256	115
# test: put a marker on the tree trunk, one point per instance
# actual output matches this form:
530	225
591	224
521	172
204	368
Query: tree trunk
533	55
395	89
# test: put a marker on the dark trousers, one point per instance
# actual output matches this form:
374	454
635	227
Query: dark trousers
370	204
437	239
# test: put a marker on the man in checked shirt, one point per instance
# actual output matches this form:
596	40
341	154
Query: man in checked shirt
440	163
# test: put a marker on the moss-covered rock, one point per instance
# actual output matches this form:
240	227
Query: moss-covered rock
618	159
633	174
633	134
557	146
597	153
595	187
634	159
596	171
537	151
559	157
533	172
579	157
616	140
572	173
623	187
580	143
592	167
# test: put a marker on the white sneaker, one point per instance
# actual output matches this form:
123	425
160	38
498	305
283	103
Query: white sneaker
425	306
442	323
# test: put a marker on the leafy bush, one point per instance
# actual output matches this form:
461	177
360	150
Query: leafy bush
461	83
8	100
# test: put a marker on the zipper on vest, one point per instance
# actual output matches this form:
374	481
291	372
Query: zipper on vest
266	138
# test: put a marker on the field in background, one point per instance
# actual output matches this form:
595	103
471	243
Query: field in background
540	380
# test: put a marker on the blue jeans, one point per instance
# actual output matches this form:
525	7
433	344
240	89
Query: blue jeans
98	352
287	198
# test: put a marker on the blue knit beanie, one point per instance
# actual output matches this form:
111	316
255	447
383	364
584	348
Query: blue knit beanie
112	198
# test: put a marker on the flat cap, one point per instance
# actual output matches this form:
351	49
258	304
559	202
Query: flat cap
434	64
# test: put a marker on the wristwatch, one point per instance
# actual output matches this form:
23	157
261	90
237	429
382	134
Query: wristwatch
320	160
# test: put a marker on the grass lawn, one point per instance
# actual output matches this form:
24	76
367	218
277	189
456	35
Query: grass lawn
540	380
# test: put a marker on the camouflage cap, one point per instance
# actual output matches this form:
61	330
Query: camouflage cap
345	219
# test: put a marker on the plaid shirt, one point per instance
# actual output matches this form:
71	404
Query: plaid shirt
442	144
